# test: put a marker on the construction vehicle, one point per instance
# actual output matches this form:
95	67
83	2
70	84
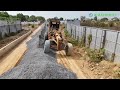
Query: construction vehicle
53	38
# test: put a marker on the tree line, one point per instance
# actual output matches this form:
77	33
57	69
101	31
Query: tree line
21	17
113	23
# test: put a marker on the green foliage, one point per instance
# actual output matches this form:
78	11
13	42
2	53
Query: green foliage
12	33
33	26
112	57
104	19
26	17
73	41
81	42
1	36
95	18
61	18
4	14
7	35
117	74
96	55
89	39
66	33
40	18
114	23
82	18
111	23
29	24
33	18
19	31
115	19
21	17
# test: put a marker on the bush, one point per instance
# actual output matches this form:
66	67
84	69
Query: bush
81	42
89	39
66	33
102	24
12	33
1	36
33	26
7	35
19	31
29	24
117	74
73	41
96	55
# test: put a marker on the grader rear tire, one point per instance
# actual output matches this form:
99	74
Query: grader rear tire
69	49
47	46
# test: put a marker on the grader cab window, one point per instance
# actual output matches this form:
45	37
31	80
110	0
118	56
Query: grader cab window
54	24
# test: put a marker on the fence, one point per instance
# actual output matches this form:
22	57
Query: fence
101	38
24	23
8	27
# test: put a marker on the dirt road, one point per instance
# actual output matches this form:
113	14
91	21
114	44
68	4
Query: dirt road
36	64
70	63
13	57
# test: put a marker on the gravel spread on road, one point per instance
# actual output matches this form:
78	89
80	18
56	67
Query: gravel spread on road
38	65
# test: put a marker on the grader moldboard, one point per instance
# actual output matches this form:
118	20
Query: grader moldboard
53	38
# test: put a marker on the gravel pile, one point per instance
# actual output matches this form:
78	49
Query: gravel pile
38	65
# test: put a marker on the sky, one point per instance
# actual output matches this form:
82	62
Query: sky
67	14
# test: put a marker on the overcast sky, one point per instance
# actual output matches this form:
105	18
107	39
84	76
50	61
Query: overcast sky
64	14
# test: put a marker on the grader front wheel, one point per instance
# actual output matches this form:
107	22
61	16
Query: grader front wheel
69	49
47	46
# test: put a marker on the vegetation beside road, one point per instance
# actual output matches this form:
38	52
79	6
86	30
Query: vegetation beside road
21	17
92	62
105	23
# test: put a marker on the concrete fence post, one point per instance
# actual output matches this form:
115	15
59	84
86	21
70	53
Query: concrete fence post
84	35
113	55
15	27
95	38
75	32
104	39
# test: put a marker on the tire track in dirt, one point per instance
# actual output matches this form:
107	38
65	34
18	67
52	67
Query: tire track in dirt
69	63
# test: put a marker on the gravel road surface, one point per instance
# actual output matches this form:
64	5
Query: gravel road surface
37	65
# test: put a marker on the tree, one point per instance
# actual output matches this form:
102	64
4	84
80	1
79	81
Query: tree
115	19
40	18
55	17
4	14
26	17
104	19
21	17
95	18
32	18
61	18
82	18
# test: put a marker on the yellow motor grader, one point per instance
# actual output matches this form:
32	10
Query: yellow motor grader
53	38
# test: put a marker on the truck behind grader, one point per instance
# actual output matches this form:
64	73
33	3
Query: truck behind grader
53	38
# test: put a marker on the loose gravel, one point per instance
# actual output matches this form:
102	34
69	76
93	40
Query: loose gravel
38	65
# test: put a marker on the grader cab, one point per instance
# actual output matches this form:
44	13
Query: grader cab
53	38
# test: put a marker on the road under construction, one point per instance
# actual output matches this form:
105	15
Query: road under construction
28	61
